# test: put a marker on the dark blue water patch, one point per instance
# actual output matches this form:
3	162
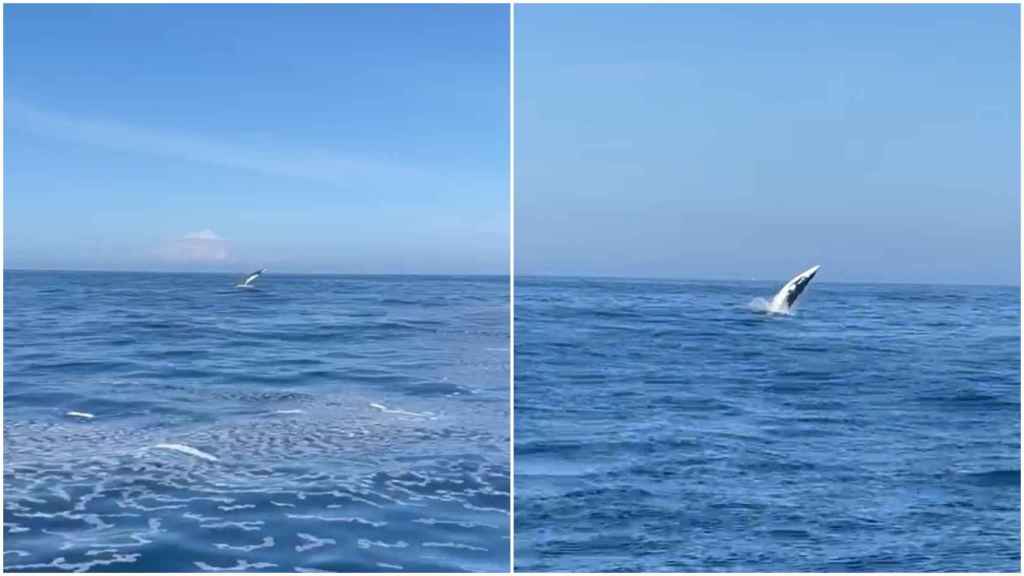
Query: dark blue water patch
666	425
995	478
437	388
311	423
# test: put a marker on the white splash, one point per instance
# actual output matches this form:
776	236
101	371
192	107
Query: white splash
81	415
267	542
387	410
240	566
764	306
236	507
366	544
313	542
188	450
347	519
455	545
246	525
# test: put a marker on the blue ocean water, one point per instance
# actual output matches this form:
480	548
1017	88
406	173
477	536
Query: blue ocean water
668	425
315	422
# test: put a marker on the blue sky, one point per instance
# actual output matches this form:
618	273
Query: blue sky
353	139
744	142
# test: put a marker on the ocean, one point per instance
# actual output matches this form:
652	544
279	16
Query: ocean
172	422
669	425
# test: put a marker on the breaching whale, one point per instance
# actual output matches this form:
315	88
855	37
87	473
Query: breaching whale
784	299
248	280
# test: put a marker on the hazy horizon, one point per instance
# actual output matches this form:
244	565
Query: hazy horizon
300	137
753	141
780	280
240	272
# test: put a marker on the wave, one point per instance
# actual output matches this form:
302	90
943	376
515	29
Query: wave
993	478
188	450
387	410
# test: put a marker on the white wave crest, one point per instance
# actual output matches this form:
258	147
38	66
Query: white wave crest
188	450
240	566
387	410
81	414
313	542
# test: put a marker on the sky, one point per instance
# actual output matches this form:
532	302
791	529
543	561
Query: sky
317	138
751	142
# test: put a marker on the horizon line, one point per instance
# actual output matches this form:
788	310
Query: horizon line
780	281
232	273
518	276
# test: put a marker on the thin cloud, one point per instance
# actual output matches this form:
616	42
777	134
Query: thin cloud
202	235
204	246
313	164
